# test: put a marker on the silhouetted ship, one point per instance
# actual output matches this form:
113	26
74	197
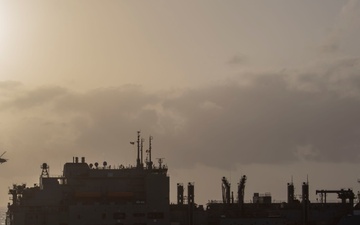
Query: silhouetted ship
88	194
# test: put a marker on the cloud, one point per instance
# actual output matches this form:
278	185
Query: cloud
237	59
331	45
342	31
36	97
275	118
266	124
9	84
7	88
337	75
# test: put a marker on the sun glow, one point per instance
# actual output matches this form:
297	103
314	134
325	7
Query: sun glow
3	27
4	40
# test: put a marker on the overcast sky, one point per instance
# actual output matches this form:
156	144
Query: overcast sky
267	89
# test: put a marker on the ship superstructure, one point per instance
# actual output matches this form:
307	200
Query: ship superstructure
94	194
262	210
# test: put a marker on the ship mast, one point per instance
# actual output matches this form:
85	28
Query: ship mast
141	152
149	163
138	165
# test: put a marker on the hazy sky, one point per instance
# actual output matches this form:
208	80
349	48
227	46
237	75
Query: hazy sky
269	89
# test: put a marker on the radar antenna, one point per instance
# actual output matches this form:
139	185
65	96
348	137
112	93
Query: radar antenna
45	170
160	161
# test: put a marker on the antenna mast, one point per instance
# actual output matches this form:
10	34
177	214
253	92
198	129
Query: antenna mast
149	163
141	152
138	150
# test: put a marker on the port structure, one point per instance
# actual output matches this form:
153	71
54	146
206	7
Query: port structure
241	190
342	194
94	194
225	190
228	196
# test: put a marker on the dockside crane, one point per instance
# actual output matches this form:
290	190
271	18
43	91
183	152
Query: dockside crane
342	194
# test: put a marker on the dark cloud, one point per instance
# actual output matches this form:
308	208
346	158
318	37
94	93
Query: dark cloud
268	118
237	59
113	116
267	123
339	76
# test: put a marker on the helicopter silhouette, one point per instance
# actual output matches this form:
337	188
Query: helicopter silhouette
2	160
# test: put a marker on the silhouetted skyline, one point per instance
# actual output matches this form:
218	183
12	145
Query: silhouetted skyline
269	89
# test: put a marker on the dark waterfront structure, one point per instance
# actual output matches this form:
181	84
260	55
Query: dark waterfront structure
93	194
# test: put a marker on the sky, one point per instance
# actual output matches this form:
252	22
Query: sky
266	89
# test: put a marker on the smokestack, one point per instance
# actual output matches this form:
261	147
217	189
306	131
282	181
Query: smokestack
291	191
305	202
190	193
180	194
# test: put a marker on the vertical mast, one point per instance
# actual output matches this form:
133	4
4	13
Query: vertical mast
150	163
141	152
138	150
